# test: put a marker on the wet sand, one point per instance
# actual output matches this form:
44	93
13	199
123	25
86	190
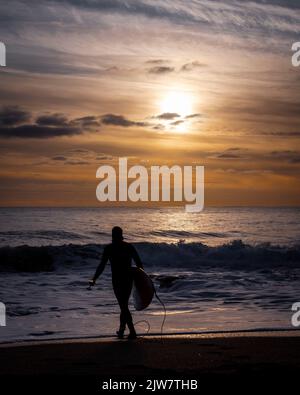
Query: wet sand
229	355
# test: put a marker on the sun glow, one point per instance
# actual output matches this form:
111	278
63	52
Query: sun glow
178	102
176	105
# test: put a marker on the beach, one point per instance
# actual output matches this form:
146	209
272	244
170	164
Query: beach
220	356
228	299
224	269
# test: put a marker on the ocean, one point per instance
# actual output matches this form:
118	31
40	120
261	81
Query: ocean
221	269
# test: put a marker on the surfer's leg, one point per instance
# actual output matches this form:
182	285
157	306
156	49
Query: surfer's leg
132	334
122	327
125	312
118	293
122	290
125	316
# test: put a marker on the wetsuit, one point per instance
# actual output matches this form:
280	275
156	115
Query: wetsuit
120	255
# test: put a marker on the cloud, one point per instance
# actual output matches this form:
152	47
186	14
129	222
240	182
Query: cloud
167	116
38	131
282	3
230	153
157	61
52	120
282	134
77	162
79	157
14	123
289	156
262	107
104	157
13	115
89	122
147	9
193	116
276	157
175	123
50	62
79	151
119	120
59	158
201	13
192	66
171	116
108	27
161	70
245	171
159	126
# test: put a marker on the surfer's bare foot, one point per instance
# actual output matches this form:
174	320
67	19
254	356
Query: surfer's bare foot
132	336
120	334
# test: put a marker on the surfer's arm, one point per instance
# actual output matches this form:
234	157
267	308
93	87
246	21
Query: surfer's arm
137	258
101	266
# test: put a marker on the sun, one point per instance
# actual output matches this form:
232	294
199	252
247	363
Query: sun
176	101
176	105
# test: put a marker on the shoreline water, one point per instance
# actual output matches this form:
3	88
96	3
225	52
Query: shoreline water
222	269
233	286
256	332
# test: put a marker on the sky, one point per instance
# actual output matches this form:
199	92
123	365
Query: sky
157	81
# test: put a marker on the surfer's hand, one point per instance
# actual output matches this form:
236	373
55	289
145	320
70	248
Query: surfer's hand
92	283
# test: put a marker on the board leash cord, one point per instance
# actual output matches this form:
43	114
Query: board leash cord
163	321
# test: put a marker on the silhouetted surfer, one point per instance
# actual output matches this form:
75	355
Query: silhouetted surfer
120	255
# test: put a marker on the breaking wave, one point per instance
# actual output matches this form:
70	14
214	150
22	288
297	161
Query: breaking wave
235	255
